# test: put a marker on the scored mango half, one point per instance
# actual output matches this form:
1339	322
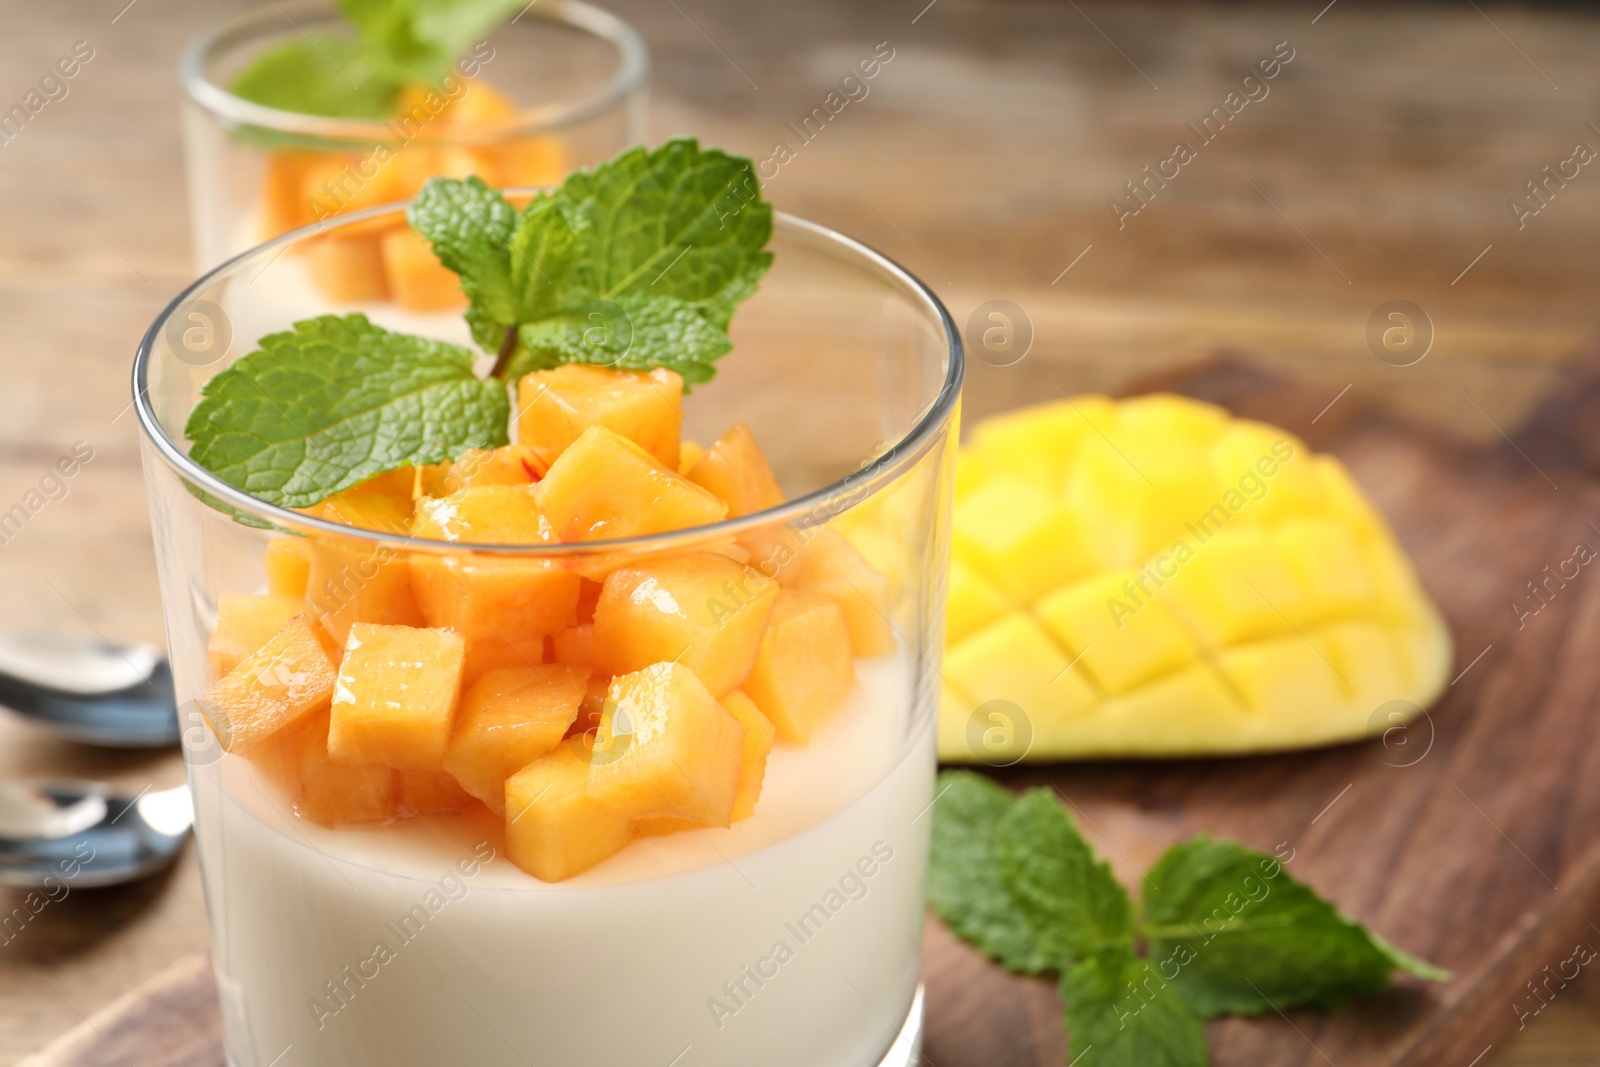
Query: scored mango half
1154	577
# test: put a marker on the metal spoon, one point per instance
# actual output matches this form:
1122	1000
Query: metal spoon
115	695
82	834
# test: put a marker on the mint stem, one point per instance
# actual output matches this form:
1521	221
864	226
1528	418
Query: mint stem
502	360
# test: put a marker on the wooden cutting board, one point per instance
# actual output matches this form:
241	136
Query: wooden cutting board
1471	838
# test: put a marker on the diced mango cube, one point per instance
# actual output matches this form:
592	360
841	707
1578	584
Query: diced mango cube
1021	539
555	407
336	793
1236	588
702	610
1369	660
397	695
1344	500
288	564
1123	642
1135	492
1188	712
1186	422
575	645
415	277
244	624
759	734
283	681
971	602
1287	678
666	749
493	654
554	829
506	465
434	792
492	514
736	471
509	718
689	453
804	669
831	566
348	583
347	268
284	205
604	486
524	161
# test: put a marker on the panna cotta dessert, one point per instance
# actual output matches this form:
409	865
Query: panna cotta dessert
537	724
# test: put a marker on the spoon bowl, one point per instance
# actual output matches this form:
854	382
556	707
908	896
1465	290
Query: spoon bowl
117	696
87	834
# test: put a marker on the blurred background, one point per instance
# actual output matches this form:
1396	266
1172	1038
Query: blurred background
1435	154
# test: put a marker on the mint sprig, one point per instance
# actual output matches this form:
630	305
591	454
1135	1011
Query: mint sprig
396	43
337	400
1224	928
637	264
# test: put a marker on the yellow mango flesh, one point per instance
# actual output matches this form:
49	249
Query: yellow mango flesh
415	277
396	701
1156	578
666	749
804	669
555	407
509	718
830	566
736	471
277	685
244	624
288	563
702	610
336	793
759	735
604	486
554	828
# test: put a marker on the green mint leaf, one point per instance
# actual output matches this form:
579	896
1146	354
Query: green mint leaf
1121	1014
337	400
661	245
1240	935
470	226
417	40
318	74
964	884
633	333
450	27
1069	897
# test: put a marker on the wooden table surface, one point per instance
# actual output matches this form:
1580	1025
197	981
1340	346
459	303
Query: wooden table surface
1378	167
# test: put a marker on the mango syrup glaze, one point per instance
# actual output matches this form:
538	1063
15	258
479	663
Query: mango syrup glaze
789	939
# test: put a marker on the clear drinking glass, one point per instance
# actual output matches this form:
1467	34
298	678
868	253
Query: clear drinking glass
559	87
792	938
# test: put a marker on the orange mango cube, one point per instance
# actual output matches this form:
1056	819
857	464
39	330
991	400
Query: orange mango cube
490	514
805	668
348	583
759	735
509	718
604	486
736	471
335	793
555	407
416	279
284	205
666	749
554	829
831	566
575	645
493	654
244	624
506	465
429	793
702	610
347	268
283	681
288	564
397	695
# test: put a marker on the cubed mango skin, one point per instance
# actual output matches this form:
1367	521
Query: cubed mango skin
666	748
398	690
1226	591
